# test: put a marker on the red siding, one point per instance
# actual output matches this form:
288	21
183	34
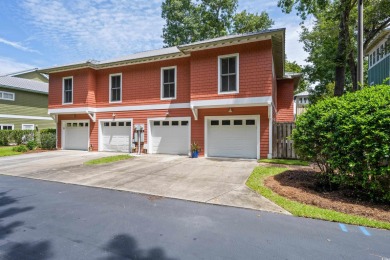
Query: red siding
285	101
255	70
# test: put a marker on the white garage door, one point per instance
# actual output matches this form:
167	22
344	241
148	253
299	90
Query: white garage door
76	135
234	137
170	136
116	136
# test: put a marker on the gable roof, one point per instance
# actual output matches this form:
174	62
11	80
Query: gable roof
24	84
277	36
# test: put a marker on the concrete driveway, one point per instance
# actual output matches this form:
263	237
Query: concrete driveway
219	182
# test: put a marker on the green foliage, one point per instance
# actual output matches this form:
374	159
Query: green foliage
246	22
20	149
5	137
22	136
32	145
284	161
349	139
48	139
190	21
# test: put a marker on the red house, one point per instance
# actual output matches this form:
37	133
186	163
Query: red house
223	93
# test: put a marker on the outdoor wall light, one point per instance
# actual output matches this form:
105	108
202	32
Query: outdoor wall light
230	110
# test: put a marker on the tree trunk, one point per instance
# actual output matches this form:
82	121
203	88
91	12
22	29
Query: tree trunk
341	58
353	70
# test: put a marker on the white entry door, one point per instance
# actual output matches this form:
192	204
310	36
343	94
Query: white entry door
76	134
169	136
116	136
234	137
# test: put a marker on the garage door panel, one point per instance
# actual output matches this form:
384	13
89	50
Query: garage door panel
116	138
170	139
236	141
76	136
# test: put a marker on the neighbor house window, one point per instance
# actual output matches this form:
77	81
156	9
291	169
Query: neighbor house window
228	77
7	96
27	127
373	58
377	54
6	127
115	87
168	83
370	60
68	90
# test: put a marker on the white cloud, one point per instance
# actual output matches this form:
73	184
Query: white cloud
97	29
9	66
16	45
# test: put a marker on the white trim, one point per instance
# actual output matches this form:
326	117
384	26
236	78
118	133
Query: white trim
270	126
8	93
117	108
63	125
25	117
149	130
162	83
237	56
1	125
100	130
257	120
63	90
211	103
33	126
233	102
110	82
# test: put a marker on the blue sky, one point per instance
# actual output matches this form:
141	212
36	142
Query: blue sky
44	33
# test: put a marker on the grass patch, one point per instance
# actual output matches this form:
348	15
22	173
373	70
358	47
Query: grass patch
256	182
109	159
285	161
7	151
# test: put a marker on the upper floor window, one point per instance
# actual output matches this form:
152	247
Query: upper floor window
228	76
6	127
67	85
387	47
382	51
377	54
370	60
373	58
168	83
116	87
7	96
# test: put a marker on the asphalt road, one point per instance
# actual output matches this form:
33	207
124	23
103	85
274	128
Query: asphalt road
45	220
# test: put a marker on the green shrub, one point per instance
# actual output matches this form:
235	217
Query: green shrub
349	139
22	136
32	145
48	139
20	149
5	137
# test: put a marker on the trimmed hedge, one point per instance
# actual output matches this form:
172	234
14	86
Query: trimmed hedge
45	138
349	139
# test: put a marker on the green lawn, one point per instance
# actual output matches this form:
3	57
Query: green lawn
7	151
285	161
109	159
256	182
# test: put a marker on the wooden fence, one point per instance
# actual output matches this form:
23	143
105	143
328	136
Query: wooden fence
282	145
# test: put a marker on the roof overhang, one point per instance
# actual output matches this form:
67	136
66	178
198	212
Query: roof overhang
23	89
296	77
383	34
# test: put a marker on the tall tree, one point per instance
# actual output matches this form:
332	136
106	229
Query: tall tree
341	16
189	21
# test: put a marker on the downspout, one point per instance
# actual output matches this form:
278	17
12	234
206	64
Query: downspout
270	131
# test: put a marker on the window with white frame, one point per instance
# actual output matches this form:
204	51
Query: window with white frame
370	60
68	90
116	87
377	54
168	83
228	77
373	58
27	126
7	96
6	127
382	51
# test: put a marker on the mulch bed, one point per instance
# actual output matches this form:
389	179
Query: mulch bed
298	185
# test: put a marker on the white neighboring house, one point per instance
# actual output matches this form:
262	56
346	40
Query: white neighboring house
301	101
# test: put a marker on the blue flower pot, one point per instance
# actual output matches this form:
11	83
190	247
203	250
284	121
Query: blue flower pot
195	154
